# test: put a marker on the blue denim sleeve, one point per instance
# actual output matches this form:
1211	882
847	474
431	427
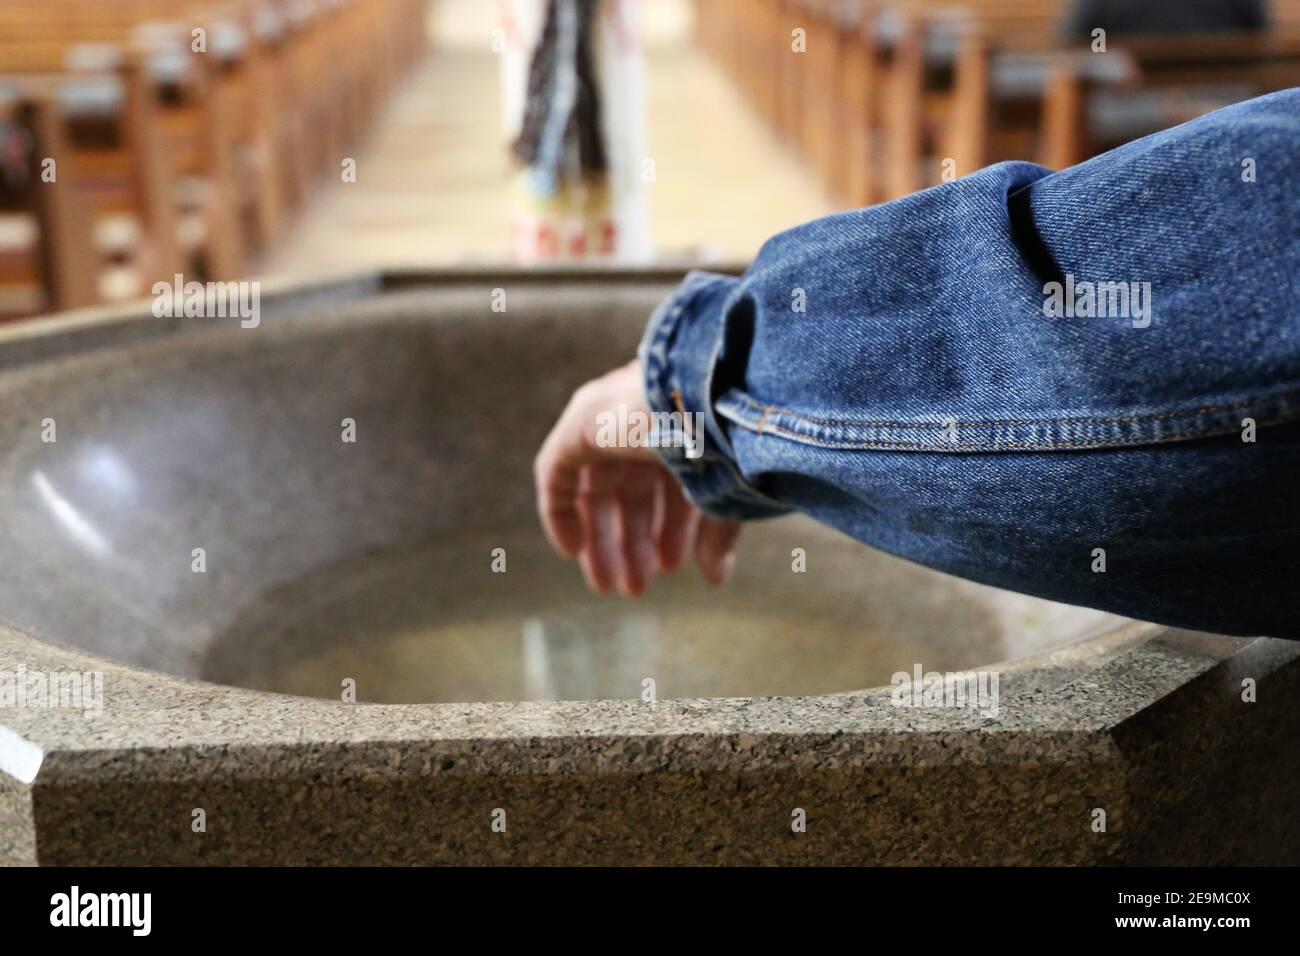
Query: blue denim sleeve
1000	375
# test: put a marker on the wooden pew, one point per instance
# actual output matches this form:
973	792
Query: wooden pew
895	96
209	151
861	90
1179	78
112	163
57	267
999	85
175	126
939	114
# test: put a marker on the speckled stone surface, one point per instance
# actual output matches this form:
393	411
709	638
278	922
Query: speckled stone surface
1141	722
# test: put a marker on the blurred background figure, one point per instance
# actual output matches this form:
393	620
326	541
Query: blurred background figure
574	104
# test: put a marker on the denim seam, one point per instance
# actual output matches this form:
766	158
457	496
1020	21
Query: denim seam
768	424
994	422
868	445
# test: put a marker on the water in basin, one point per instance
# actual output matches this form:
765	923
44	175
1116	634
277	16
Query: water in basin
435	623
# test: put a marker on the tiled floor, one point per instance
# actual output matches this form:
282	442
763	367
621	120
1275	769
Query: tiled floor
431	183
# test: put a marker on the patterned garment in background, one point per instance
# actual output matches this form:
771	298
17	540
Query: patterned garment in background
561	140
564	184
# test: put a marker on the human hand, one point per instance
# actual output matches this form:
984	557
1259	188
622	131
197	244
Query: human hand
617	509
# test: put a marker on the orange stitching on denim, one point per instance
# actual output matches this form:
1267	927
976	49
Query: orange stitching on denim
681	408
866	444
767	409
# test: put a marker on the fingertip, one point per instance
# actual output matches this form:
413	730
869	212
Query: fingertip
638	572
725	568
675	525
715	549
568	545
600	551
717	571
597	582
671	548
634	588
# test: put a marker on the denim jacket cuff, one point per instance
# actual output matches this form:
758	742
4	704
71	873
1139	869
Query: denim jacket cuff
679	353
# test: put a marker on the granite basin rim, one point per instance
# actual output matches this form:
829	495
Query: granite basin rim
173	720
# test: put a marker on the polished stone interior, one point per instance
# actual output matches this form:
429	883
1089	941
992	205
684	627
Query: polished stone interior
324	560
